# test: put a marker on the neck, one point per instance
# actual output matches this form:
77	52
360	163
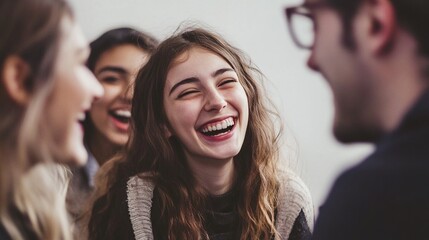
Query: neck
216	176
102	148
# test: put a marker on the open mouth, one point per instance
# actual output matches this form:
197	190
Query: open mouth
122	116
218	128
81	117
80	120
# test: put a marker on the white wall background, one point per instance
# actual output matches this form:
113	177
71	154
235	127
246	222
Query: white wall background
259	28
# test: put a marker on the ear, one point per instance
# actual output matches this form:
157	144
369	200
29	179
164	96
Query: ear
14	75
382	25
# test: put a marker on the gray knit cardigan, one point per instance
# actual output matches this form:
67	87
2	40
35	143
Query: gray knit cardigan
293	197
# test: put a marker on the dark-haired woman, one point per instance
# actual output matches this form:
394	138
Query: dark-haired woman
202	159
116	56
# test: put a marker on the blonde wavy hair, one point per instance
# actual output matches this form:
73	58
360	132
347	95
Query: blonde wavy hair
150	151
32	186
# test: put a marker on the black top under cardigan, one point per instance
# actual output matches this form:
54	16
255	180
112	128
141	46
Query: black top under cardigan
216	228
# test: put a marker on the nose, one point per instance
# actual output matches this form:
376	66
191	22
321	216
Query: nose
311	62
128	91
94	86
215	102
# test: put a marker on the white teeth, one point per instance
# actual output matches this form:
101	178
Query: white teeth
81	117
219	126
123	113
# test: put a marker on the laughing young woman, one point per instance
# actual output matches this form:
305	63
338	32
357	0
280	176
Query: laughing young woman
45	89
202	159
116	56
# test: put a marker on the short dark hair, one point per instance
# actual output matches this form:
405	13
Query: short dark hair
411	15
120	36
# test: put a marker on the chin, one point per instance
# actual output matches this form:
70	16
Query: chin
227	155
118	139
79	157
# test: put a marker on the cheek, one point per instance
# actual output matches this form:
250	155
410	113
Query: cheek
98	111
102	104
240	100
72	89
323	55
61	122
111	92
182	116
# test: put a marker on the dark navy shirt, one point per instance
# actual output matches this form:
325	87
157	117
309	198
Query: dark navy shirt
3	233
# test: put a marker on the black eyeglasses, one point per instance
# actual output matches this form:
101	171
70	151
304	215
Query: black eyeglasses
301	24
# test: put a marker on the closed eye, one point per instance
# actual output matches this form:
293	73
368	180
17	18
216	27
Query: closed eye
186	93
228	81
110	79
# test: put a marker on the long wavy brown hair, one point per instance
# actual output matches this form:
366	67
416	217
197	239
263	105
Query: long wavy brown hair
32	187
162	160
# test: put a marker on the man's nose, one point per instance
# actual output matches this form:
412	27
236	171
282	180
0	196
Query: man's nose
311	62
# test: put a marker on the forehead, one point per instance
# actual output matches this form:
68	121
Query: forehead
125	55
198	58
197	63
71	34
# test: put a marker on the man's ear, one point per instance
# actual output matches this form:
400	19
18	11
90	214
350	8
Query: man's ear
382	25
14	75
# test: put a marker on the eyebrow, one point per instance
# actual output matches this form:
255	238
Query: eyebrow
119	70
194	79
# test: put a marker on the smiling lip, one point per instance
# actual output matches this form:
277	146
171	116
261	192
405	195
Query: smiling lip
82	129
215	121
119	125
217	126
221	136
120	118
81	119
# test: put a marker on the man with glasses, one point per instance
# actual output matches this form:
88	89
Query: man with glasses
374	55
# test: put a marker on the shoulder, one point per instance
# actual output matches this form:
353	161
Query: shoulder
78	193
356	201
293	198
139	192
368	176
140	181
354	184
139	196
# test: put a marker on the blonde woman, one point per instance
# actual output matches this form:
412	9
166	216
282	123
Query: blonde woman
45	90
202	159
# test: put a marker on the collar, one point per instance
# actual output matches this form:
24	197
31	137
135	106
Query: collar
91	167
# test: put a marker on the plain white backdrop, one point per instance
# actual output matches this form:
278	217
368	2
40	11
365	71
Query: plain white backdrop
258	27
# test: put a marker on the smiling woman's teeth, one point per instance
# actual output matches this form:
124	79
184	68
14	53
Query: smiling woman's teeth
224	124
123	113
